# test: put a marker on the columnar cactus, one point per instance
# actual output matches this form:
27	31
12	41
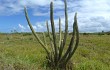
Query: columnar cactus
56	57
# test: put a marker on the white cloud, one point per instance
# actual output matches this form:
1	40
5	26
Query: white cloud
93	15
13	7
41	14
34	27
21	26
37	27
10	7
35	2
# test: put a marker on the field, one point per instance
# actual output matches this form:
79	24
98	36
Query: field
23	52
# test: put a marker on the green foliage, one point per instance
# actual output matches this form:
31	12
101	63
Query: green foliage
58	58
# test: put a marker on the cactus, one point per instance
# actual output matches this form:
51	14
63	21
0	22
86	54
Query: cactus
56	57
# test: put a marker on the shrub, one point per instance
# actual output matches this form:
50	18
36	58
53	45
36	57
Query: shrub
85	33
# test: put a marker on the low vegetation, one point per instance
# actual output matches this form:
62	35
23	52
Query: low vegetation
22	53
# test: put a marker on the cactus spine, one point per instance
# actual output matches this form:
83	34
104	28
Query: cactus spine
56	59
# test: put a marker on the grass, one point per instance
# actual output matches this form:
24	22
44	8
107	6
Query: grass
23	52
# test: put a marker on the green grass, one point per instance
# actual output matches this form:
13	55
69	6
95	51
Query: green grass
23	52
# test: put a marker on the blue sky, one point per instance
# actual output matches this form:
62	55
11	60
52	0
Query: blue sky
93	15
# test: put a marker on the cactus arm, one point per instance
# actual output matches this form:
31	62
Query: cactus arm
60	50
77	39
49	31
68	51
59	32
50	37
66	27
36	36
66	24
53	32
60	42
44	39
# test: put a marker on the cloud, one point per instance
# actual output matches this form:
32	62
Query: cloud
41	14
93	15
37	27
21	27
10	7
34	27
35	2
16	6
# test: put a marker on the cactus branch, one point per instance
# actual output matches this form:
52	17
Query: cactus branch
49	31
36	36
68	51
60	42
66	24
77	38
66	27
44	38
53	31
59	32
50	37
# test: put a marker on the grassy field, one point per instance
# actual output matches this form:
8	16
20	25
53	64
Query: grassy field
23	52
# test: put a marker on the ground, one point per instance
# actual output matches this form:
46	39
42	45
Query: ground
23	52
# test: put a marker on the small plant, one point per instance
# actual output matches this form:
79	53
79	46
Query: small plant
8	38
108	33
85	33
57	58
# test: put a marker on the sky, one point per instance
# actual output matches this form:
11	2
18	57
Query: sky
93	15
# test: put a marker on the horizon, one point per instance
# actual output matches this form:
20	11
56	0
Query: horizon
93	16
